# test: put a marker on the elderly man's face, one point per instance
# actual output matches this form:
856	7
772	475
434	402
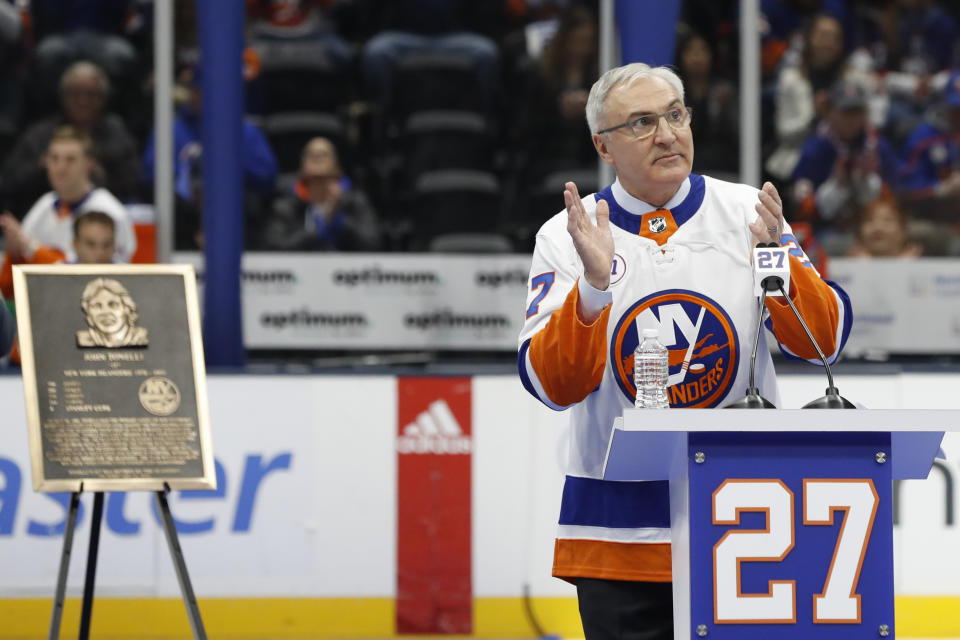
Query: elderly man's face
650	168
83	98
106	312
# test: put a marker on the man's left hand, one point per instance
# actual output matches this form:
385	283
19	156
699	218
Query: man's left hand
769	225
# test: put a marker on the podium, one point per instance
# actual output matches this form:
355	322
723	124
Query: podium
781	521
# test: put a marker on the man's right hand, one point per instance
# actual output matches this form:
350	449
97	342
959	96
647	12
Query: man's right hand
594	242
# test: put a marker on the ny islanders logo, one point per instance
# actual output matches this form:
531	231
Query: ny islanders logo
699	337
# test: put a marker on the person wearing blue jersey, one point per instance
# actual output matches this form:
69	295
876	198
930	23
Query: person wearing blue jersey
931	166
845	165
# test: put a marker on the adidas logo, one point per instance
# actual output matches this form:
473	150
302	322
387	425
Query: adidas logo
436	430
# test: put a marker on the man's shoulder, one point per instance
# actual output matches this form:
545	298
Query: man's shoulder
43	204
726	189
102	200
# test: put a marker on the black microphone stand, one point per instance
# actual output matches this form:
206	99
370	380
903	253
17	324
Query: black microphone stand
753	399
832	399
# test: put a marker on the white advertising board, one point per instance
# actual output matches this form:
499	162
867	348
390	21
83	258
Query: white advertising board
901	306
380	301
426	301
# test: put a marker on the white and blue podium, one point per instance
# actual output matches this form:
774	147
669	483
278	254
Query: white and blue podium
781	520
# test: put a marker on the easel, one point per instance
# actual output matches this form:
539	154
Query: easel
173	542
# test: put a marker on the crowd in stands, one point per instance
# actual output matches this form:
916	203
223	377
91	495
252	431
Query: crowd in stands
417	125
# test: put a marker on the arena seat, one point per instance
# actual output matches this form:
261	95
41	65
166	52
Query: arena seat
454	201
298	76
432	140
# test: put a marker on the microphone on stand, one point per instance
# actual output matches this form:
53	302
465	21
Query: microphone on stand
771	272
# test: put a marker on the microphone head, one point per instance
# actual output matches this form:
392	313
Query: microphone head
771	269
831	400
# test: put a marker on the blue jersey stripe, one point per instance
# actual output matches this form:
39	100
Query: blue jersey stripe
590	502
522	367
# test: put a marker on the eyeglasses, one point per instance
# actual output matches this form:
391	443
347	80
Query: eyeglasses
645	126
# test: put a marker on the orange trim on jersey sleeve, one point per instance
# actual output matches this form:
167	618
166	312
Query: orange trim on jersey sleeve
43	255
646	562
47	255
669	226
817	305
569	356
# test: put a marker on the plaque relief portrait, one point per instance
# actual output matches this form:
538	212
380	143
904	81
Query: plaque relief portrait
111	316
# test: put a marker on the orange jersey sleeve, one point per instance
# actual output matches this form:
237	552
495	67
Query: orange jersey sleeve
817	305
569	356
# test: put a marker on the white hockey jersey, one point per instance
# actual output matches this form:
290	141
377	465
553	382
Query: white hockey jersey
686	271
50	222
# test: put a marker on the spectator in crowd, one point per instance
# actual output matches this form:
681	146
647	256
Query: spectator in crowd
94	242
258	161
94	239
49	222
554	127
84	89
716	118
322	212
931	170
845	165
257	158
914	36
913	45
784	22
803	91
882	232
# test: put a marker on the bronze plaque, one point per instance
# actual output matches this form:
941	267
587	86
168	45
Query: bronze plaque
114	377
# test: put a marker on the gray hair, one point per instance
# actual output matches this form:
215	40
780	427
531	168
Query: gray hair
626	74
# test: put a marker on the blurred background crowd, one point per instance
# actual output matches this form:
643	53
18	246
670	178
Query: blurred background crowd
451	125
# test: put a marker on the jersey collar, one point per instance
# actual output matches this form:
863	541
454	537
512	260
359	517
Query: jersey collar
627	212
72	207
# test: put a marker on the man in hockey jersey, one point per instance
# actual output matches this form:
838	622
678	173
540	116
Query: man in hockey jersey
49	222
659	248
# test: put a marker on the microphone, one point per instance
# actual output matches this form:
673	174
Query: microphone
771	272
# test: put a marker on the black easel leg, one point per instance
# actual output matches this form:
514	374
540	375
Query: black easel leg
87	610
61	589
189	600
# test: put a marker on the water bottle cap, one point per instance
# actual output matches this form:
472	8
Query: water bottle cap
651	333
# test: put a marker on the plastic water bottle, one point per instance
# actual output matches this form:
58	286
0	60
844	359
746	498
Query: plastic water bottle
651	368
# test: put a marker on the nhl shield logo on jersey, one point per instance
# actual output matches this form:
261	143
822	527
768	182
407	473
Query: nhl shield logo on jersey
701	340
658	224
